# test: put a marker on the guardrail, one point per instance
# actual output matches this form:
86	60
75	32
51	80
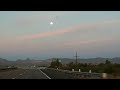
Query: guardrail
80	75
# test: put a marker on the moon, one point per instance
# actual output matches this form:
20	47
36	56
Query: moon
53	20
51	23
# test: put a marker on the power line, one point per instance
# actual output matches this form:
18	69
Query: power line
76	57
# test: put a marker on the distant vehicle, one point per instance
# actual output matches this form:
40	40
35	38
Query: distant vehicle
12	67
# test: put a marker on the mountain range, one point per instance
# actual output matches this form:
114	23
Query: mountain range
63	61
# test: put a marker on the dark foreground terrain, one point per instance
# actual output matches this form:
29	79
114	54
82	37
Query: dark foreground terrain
36	73
57	75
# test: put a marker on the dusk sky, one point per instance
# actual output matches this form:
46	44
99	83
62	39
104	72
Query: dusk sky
29	34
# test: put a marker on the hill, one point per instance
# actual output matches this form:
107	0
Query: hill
63	60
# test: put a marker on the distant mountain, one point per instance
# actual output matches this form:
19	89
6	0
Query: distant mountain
4	61
63	60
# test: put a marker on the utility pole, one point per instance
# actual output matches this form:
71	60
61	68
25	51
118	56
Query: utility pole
76	57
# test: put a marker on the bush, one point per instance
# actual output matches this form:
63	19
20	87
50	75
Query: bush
55	64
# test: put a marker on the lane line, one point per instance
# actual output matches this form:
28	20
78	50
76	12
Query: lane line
45	74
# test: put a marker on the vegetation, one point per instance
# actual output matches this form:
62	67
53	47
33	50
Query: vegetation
56	64
107	67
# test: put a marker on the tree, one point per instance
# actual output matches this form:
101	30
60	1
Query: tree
107	62
55	63
101	64
109	69
27	59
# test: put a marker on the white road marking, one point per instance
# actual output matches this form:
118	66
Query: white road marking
18	76
45	74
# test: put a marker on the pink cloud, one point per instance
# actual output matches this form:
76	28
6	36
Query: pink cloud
48	34
84	45
86	42
68	30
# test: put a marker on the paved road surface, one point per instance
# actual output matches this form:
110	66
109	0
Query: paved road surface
23	74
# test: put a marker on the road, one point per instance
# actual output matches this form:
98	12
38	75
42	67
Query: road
23	74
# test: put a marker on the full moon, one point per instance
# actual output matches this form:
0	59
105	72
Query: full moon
51	23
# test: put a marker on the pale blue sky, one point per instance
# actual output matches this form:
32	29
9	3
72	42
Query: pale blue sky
29	34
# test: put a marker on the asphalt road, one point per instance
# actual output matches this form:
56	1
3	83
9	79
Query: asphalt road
23	74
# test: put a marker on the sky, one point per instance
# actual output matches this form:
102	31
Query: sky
29	34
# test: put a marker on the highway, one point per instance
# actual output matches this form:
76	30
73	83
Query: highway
23	74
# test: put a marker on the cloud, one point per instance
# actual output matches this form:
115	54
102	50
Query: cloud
68	30
49	34
86	42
